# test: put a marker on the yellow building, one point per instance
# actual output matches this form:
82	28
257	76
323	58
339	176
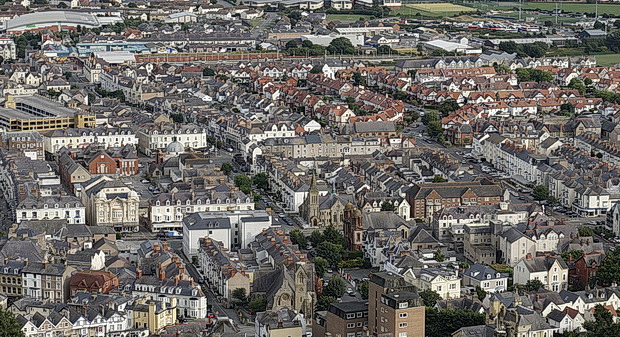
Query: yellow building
154	315
37	113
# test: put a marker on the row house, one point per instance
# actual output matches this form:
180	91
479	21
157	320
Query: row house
426	199
157	137
70	138
221	270
69	208
167	210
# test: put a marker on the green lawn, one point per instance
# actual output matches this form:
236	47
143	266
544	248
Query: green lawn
346	17
541	18
437	9
607	60
612	9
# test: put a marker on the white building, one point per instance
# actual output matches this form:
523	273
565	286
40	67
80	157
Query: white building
235	229
167	210
54	140
552	271
109	202
485	277
53	207
153	137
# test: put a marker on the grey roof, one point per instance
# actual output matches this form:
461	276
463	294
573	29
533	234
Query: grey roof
481	272
204	220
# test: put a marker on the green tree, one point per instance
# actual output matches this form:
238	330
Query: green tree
429	297
244	183
578	85
523	74
572	254
439	179
336	287
298	238
132	5
448	106
480	293
227	168
443	323
541	75
316	237
258	305
609	270
324	301
439	256
320	266
429	117
385	50
508	46
363	289
603	324
240	294
177	117
434	129
261	181
330	252
533	285
585	231
67	74
208	72
387	206
331	234
541	192
599	25
9	327
341	45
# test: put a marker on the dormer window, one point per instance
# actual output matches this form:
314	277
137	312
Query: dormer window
55	205
167	202
178	202
199	202
157	203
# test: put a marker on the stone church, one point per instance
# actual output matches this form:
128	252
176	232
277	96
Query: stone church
323	211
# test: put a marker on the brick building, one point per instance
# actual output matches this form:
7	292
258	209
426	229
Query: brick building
394	307
585	269
343	319
92	281
425	199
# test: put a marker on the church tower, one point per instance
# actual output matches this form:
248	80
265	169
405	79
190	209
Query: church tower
313	202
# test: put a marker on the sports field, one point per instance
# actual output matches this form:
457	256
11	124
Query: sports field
346	17
607	60
433	9
566	7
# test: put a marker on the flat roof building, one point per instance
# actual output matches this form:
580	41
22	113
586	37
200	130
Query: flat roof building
37	113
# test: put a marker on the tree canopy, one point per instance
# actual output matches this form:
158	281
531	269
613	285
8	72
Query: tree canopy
9	327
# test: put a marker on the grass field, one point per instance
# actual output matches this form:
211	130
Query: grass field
575	7
611	9
542	17
607	60
432	9
346	17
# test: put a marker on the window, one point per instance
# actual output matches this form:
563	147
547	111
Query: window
350	325
403	315
402	305
402	334
402	325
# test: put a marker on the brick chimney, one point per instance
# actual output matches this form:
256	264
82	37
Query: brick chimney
162	275
138	273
